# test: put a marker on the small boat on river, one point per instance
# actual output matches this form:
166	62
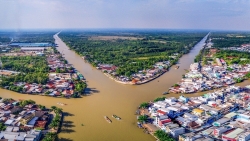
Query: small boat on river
177	67
165	93
116	117
62	104
107	119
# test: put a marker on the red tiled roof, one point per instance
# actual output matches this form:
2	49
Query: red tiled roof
41	124
161	112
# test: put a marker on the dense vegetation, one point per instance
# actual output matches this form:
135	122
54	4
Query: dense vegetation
144	105
4	38
26	64
234	39
163	136
50	137
160	99
33	69
234	57
229	56
131	55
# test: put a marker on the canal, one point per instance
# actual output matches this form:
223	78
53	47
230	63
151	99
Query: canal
84	119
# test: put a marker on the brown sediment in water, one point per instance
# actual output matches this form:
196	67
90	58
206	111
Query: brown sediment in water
107	97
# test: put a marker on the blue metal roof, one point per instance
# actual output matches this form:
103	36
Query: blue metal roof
31	44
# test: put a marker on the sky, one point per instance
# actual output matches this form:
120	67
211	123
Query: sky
161	14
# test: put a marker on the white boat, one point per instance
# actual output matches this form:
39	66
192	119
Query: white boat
62	104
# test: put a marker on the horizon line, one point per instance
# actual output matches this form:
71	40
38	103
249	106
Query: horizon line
66	29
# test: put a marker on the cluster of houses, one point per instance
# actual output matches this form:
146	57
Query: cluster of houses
149	74
56	62
137	78
210	77
61	74
243	48
220	115
61	83
22	123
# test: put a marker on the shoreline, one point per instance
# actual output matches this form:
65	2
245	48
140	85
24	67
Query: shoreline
146	81
140	111
130	82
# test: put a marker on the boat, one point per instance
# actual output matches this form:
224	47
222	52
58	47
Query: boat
107	119
177	67
62	104
116	117
165	93
139	125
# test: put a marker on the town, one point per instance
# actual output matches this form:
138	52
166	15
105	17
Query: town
25	120
55	77
217	69
219	115
142	76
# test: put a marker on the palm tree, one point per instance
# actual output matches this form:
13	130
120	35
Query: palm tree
53	124
58	110
53	108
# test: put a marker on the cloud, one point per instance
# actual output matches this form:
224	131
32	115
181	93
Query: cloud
125	14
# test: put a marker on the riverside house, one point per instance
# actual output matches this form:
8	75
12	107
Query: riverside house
221	115
23	123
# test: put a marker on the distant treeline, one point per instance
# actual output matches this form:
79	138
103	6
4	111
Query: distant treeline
230	39
27	37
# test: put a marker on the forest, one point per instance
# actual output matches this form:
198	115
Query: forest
131	51
229	39
33	69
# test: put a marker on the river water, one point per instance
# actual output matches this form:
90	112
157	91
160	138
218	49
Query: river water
106	98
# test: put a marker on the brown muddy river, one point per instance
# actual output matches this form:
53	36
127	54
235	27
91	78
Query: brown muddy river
106	98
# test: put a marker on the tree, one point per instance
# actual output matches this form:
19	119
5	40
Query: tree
248	75
143	118
50	136
2	126
80	87
53	108
159	99
54	124
41	107
58	110
144	105
163	136
176	85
